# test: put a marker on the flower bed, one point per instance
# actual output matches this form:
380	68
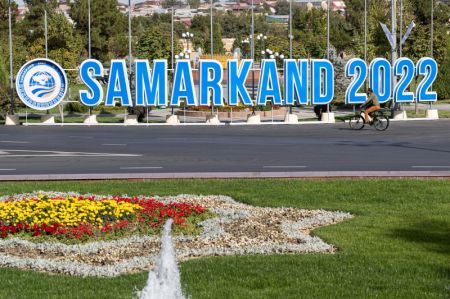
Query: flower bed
222	226
83	218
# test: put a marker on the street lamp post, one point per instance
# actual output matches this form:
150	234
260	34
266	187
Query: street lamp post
394	38
432	28
290	29
11	76
245	43
171	39
171	48
45	29
211	29
252	51
328	40
262	38
187	36
129	37
89	28
400	46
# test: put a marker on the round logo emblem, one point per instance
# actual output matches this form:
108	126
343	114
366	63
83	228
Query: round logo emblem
41	84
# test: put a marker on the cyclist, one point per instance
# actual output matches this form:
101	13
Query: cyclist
372	104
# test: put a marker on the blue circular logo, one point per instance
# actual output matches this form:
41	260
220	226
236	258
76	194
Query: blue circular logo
41	84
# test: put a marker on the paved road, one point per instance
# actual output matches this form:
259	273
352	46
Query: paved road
286	150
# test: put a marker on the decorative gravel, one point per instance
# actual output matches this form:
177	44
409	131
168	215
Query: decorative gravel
239	229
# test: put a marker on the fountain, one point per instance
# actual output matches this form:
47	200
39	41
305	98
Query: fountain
164	280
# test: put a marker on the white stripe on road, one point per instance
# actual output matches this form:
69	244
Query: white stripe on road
7	169
114	144
71	155
11	141
5	153
142	167
286	166
436	166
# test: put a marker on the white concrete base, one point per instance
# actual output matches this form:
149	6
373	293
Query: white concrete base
432	114
172	119
130	120
90	119
47	119
12	120
212	119
328	117
401	114
291	119
253	119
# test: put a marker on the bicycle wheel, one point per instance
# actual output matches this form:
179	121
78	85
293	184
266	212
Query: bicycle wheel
381	122
356	122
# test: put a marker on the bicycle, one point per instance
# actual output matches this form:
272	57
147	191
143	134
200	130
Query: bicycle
377	119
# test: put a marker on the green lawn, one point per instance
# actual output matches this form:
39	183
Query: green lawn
397	245
422	113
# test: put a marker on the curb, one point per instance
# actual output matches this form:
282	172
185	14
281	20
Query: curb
227	175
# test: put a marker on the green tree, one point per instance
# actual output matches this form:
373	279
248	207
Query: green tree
108	27
282	7
310	29
341	32
194	3
156	44
4	14
202	36
170	3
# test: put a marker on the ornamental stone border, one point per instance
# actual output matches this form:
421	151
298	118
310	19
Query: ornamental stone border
239	229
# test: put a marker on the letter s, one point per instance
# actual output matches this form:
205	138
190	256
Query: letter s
89	70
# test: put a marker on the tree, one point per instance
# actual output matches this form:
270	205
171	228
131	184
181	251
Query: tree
194	3
4	14
156	44
282	7
108	25
202	36
170	3
310	29
341	32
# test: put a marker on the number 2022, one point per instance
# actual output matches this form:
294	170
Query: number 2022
380	80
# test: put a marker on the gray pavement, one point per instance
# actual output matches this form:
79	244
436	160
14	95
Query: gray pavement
406	148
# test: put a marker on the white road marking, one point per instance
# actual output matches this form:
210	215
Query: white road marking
7	169
114	144
436	166
286	166
84	137
11	141
141	167
5	153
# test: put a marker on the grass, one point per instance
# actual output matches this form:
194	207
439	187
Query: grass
397	246
422	113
